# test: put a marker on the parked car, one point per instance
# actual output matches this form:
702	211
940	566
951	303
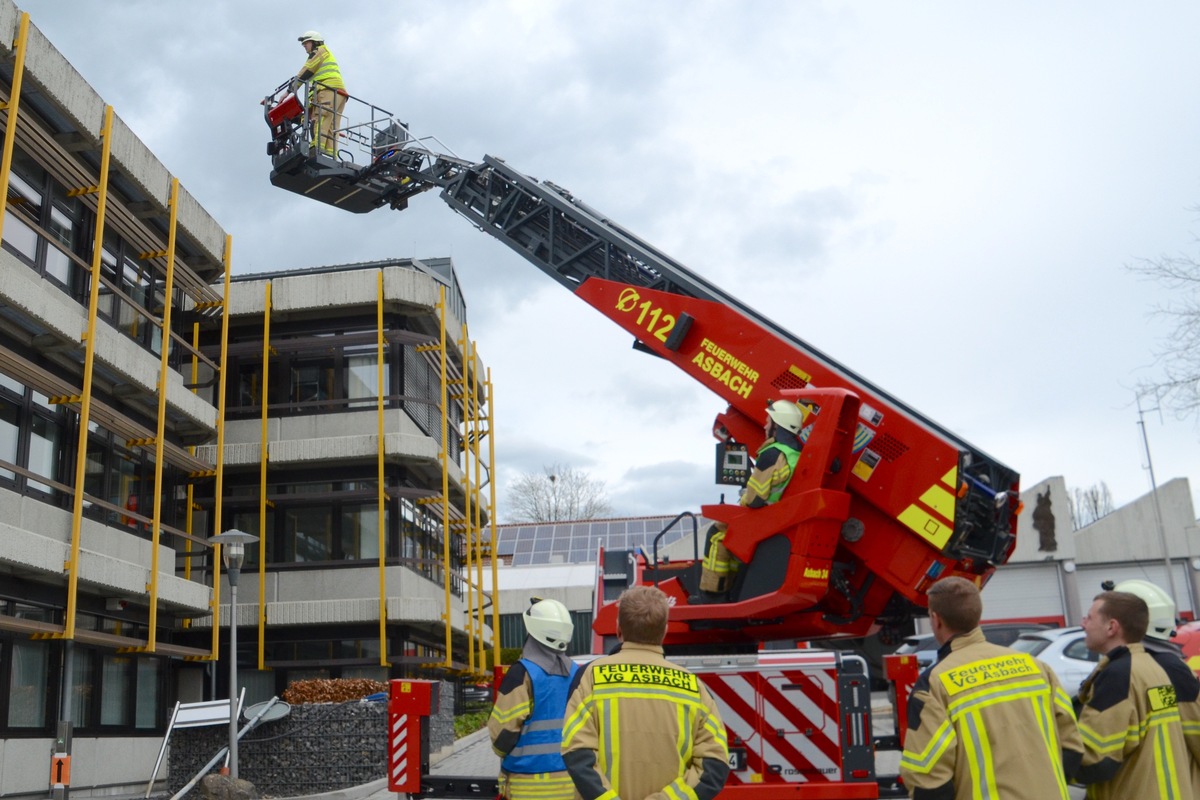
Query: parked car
1063	650
925	647
1187	636
476	693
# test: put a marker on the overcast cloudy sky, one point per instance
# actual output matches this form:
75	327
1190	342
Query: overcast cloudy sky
942	196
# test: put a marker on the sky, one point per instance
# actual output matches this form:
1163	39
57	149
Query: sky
944	197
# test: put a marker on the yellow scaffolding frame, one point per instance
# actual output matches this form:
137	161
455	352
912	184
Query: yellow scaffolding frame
13	106
89	360
222	373
448	663
160	432
262	486
381	487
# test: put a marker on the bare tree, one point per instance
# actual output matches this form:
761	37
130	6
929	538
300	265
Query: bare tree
560	493
1090	504
1178	355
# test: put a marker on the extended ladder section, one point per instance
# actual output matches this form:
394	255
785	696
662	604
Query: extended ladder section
884	500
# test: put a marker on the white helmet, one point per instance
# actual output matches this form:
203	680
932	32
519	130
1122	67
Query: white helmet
311	36
1162	607
787	414
549	622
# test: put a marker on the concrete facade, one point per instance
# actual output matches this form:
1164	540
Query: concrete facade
139	635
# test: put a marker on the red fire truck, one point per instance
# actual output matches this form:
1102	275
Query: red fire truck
882	502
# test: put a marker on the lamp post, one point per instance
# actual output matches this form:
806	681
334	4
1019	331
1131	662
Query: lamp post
233	553
1162	533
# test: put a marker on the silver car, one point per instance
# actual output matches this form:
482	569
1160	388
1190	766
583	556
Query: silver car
1063	650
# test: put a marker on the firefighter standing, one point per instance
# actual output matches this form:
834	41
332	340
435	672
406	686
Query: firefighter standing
639	726
327	95
773	468
1137	711
527	718
985	720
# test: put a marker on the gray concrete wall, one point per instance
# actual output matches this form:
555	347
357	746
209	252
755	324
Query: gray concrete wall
307	597
1131	533
99	767
111	560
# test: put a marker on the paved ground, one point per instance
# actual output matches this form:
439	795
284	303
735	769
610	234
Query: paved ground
473	756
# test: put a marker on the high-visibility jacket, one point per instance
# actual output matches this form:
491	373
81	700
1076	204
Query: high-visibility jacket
773	471
639	726
1136	740
771	474
988	722
322	68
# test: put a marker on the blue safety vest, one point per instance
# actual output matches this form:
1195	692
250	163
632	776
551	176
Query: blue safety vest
539	747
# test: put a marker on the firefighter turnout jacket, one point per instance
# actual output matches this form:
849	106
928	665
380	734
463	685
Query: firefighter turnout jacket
526	728
322	67
987	721
1140	721
773	469
639	726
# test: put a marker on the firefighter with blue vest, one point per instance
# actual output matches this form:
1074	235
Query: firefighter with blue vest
773	468
526	724
327	93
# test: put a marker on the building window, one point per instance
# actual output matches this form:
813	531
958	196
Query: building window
29	186
82	687
362	379
28	682
31	436
312	384
148	708
116	682
309	535
360	531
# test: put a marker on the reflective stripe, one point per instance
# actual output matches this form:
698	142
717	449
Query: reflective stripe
924	761
544	725
519	711
979	757
535	749
679	790
537	786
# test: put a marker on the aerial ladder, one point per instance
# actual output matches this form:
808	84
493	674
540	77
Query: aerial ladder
883	500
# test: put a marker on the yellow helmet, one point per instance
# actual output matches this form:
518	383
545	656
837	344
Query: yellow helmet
787	414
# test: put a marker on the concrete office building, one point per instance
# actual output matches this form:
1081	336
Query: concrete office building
116	282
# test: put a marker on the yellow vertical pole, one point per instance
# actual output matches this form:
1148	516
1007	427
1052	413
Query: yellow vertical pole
164	367
491	416
445	478
191	487
464	347
222	374
14	102
89	360
478	526
262	486
381	508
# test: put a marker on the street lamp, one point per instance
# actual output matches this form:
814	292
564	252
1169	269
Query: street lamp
233	553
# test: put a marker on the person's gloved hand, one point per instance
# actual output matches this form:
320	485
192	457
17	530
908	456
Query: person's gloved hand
294	85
